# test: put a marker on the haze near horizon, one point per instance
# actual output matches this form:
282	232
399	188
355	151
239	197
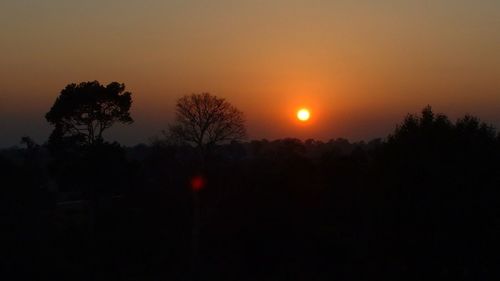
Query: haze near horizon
359	66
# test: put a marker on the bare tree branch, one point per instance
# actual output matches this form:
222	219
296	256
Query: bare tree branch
204	120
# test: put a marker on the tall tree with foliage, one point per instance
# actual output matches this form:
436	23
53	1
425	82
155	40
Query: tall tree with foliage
82	112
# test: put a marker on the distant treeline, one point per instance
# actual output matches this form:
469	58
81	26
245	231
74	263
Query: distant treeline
422	203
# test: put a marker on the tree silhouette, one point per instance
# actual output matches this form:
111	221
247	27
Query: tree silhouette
29	142
204	120
83	112
422	202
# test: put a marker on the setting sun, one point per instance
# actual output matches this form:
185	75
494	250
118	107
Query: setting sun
303	114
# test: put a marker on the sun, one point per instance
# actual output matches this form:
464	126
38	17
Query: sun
303	114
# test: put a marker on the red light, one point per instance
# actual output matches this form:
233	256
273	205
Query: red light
197	183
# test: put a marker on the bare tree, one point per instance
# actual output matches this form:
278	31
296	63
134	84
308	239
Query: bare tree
204	120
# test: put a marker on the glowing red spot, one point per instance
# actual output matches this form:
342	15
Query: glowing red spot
197	183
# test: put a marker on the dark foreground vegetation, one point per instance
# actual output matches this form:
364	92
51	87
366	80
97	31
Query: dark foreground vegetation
421	204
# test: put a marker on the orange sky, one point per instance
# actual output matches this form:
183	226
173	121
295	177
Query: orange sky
360	66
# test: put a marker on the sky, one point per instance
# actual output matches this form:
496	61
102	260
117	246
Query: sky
359	66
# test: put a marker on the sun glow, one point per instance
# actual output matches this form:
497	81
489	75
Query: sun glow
303	114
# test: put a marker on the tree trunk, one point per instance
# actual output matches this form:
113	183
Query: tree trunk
195	236
92	243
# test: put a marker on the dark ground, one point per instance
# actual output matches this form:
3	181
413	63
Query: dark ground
422	204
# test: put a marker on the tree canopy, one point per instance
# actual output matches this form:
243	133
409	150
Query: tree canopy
204	120
82	112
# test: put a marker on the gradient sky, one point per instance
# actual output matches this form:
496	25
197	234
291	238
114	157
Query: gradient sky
360	66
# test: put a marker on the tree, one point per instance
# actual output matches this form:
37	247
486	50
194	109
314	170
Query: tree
83	112
204	120
29	142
